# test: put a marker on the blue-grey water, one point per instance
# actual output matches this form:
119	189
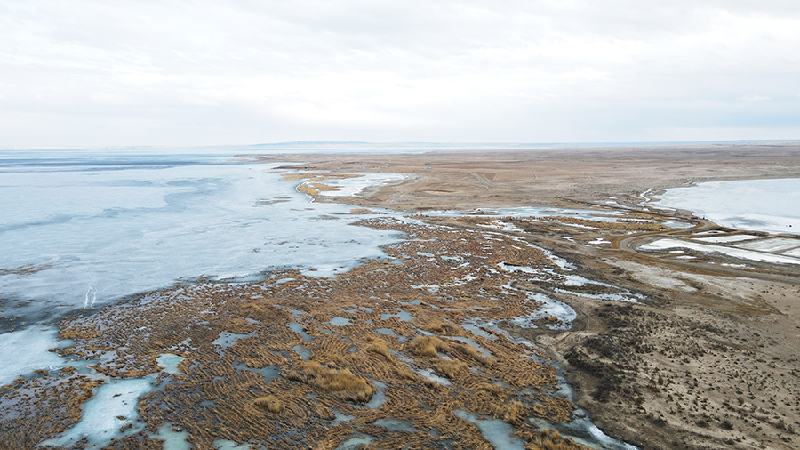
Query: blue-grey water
80	229
99	230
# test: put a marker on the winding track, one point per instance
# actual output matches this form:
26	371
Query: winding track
626	244
485	182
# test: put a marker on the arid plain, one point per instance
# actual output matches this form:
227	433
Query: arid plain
709	360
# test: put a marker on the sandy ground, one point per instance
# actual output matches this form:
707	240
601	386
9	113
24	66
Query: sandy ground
458	180
709	360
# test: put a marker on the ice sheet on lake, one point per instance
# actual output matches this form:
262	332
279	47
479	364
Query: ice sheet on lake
498	433
430	375
762	205
173	439
795	253
339	321
548	308
297	328
227	444
771	244
378	396
227	339
31	351
108	232
725	239
677	224
100	421
663	244
170	363
350	187
395	425
355	442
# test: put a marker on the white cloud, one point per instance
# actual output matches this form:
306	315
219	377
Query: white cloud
753	98
211	72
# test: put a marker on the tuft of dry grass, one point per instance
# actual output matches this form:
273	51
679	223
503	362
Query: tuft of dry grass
430	346
360	211
515	413
341	382
441	327
450	367
379	346
550	440
270	403
473	353
554	409
253	306
427	346
495	389
67	370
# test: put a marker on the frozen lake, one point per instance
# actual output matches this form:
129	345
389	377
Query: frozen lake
78	232
760	205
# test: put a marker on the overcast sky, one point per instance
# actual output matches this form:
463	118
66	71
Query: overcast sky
100	73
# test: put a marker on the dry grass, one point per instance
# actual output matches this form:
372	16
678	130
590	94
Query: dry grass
430	346
472	352
347	359
427	346
554	409
515	413
379	346
341	382
300	176
441	327
450	367
495	389
550	440
270	403
621	225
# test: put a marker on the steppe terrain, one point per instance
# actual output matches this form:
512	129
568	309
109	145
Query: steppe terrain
458	338
709	360
468	179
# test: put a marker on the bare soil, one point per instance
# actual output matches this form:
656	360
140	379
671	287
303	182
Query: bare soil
468	179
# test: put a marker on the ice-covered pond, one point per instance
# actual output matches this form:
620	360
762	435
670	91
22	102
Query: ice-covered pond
760	205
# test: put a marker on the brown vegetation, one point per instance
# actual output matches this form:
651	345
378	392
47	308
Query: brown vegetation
342	382
270	403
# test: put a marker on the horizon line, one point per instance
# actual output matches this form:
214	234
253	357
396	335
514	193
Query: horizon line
463	145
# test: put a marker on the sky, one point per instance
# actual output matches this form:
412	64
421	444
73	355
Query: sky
190	73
